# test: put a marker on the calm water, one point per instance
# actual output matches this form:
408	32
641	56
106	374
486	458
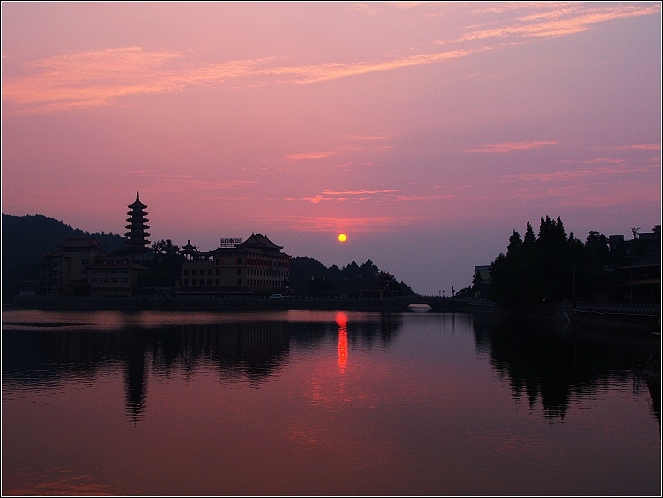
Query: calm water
336	403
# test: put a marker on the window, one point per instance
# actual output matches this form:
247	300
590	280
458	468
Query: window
85	262
186	271
93	280
239	281
239	261
193	282
104	280
113	280
186	282
209	271
218	262
193	272
239	271
209	281
217	271
125	280
84	272
217	281
94	272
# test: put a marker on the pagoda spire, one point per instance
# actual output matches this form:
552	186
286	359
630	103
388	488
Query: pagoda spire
136	237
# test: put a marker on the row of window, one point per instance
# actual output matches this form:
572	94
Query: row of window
112	280
94	272
255	282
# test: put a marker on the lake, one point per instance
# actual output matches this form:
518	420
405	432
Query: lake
324	402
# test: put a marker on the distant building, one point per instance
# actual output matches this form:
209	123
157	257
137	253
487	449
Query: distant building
136	237
113	276
80	268
481	281
64	272
254	266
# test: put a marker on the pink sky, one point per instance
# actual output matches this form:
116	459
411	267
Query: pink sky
426	132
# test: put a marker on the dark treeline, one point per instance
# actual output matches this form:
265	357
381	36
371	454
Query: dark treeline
553	267
309	277
25	239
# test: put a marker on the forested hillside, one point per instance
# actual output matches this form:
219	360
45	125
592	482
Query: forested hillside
25	239
309	277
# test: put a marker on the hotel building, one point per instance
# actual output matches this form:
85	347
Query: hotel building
256	266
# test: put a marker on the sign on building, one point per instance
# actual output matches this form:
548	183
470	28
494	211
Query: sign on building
230	242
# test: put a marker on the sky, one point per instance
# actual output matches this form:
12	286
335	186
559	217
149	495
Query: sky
427	132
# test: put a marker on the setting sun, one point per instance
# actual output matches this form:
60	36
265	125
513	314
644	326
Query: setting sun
342	237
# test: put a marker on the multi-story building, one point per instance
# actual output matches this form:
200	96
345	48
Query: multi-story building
113	276
64	272
81	269
254	266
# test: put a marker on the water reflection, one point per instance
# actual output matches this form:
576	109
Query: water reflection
554	363
342	321
241	351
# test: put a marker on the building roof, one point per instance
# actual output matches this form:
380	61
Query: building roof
137	204
648	259
258	241
80	242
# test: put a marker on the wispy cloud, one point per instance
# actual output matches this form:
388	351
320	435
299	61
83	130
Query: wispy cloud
309	155
554	20
344	195
560	176
370	224
638	147
503	148
97	78
104	77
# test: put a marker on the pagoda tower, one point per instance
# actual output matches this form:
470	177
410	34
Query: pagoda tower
137	235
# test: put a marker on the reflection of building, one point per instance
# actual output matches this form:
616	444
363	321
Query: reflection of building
256	265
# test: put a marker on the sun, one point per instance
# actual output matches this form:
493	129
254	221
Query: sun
342	237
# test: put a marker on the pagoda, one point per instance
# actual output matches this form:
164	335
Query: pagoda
136	238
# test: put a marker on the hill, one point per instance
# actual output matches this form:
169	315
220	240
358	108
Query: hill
25	239
309	277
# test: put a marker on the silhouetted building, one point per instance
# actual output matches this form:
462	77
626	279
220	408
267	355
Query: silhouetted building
136	237
254	266
64	272
81	269
481	281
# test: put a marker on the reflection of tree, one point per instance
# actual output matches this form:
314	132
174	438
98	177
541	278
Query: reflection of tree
243	350
550	364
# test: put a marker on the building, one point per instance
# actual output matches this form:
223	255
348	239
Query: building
113	276
481	281
256	266
64	272
136	237
80	268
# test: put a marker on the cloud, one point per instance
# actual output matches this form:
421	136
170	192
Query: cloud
309	155
639	147
344	195
558	20
560	176
104	77
511	146
370	224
